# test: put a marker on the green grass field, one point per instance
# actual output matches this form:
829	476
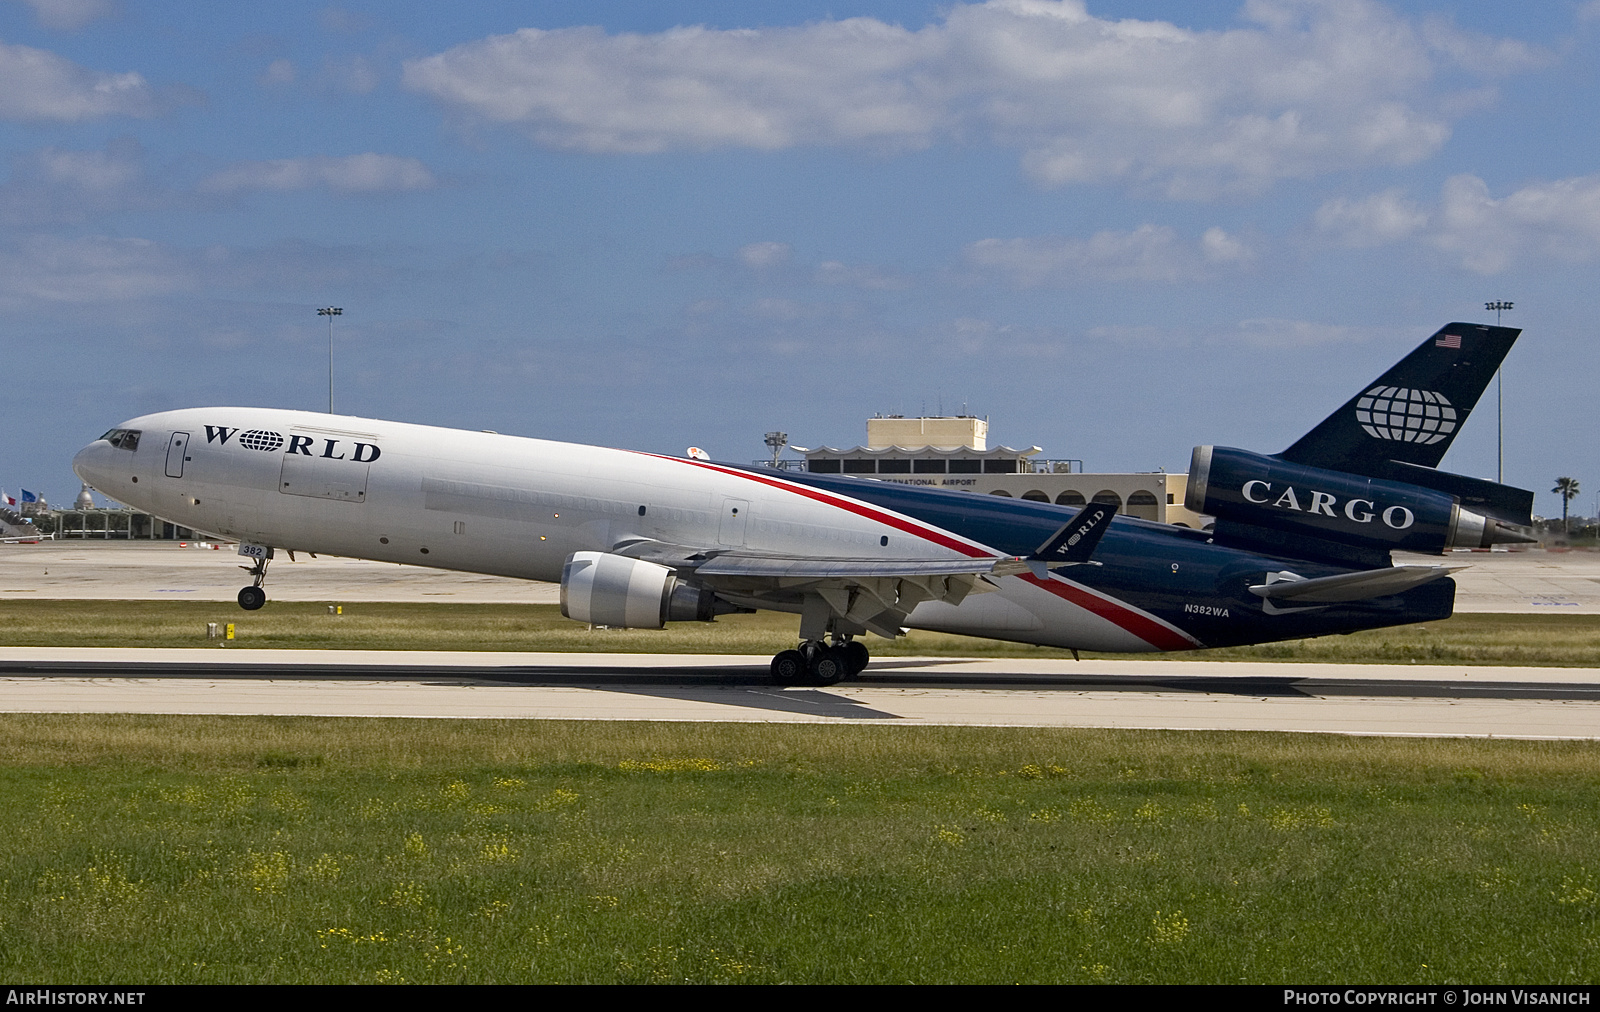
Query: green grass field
1562	640
204	849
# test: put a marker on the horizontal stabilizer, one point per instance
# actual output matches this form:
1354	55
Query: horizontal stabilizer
1501	502
1287	586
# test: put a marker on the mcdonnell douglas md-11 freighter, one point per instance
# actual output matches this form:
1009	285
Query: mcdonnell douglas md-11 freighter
1300	547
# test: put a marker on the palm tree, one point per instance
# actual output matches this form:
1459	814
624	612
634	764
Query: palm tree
1567	489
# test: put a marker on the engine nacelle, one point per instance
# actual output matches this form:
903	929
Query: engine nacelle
1253	488
613	590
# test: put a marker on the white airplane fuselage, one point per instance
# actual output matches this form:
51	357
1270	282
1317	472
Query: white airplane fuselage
519	507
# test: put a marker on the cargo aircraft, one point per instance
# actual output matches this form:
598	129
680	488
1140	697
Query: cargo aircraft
1300	545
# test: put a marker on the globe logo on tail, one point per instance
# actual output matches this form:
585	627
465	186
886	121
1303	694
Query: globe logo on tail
1406	415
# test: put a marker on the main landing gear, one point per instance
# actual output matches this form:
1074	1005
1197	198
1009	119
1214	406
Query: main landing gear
818	663
253	597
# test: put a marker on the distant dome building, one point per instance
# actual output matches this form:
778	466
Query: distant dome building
85	501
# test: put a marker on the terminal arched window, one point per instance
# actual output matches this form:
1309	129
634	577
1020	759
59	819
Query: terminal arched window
1109	498
1071	498
1143	505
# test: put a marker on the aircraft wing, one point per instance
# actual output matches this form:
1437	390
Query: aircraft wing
845	569
869	594
708	562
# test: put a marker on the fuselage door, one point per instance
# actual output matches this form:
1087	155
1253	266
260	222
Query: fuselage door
734	515
177	447
320	467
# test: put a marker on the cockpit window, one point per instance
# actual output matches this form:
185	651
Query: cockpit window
123	439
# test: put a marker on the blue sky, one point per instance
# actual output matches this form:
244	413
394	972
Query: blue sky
1117	229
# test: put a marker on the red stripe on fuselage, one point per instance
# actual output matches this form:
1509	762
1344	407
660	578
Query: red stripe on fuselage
934	535
1153	632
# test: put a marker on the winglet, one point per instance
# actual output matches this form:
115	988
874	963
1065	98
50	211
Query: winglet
1075	541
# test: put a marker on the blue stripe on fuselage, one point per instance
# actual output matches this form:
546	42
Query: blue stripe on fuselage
1160	568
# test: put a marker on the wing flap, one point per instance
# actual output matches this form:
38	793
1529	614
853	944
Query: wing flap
786	568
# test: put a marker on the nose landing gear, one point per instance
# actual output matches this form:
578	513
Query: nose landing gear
253	597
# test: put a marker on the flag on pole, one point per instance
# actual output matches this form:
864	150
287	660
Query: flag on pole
6	500
29	496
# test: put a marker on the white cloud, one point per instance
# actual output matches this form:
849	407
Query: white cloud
974	337
36	85
763	255
771	262
1268	332
1141	336
1374	221
1219	247
353	74
279	73
1311	86
833	272
1558	220
69	15
1148	253
115	168
364	173
1262	332
90	269
59	185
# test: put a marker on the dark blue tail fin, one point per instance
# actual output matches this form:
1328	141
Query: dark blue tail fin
1412	413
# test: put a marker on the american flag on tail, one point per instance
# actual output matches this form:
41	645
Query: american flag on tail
1448	341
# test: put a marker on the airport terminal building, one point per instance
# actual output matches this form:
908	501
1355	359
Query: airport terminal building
953	452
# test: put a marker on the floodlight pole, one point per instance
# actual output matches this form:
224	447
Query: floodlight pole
330	312
776	441
1500	394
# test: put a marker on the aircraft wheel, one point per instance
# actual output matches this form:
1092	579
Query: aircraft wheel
252	598
827	666
789	668
856	658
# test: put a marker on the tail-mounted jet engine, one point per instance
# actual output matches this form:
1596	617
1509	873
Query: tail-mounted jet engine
1265	491
613	590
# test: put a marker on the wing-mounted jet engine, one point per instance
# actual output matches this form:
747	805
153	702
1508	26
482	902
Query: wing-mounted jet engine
612	590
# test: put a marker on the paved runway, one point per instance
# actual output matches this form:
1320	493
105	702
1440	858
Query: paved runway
1350	699
1414	700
